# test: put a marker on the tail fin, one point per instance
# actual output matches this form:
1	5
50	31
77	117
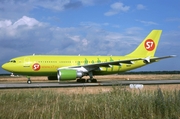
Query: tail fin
148	46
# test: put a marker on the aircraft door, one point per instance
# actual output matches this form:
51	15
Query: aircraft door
27	62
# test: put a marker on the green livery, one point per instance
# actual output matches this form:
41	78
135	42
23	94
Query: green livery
75	67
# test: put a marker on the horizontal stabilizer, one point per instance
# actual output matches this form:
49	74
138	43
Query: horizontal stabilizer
159	58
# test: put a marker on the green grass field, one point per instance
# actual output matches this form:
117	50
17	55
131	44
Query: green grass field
119	103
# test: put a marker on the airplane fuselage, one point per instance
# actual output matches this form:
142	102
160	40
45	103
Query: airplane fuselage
47	65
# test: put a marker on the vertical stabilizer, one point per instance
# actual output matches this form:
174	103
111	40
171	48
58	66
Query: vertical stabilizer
148	46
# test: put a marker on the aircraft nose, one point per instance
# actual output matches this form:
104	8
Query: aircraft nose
5	66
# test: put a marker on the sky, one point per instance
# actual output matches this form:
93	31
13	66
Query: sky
88	27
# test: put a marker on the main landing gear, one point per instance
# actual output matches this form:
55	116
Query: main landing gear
80	80
90	80
29	80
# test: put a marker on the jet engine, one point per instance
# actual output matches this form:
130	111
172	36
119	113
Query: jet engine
68	74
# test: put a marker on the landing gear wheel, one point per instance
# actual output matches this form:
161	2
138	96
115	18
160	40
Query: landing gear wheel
94	80
78	80
89	80
29	82
81	80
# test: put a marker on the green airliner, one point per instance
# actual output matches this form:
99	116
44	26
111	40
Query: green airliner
62	68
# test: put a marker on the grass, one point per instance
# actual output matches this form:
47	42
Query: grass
119	103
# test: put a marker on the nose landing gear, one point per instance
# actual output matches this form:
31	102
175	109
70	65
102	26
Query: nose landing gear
29	80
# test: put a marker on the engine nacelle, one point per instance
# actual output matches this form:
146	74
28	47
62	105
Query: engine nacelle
68	74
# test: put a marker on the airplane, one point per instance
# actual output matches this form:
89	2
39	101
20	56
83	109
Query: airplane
63	68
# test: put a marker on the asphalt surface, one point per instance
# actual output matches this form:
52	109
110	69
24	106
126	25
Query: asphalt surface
75	84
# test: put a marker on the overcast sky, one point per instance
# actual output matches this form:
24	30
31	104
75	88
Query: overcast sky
88	27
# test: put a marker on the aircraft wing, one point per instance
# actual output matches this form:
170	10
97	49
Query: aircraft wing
95	66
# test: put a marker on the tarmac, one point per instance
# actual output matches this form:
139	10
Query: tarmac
14	85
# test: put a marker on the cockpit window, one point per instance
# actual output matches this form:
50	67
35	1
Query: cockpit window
12	61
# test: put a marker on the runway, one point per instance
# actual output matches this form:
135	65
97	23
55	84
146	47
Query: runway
75	84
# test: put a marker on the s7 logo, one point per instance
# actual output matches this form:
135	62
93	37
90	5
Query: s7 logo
149	44
36	67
